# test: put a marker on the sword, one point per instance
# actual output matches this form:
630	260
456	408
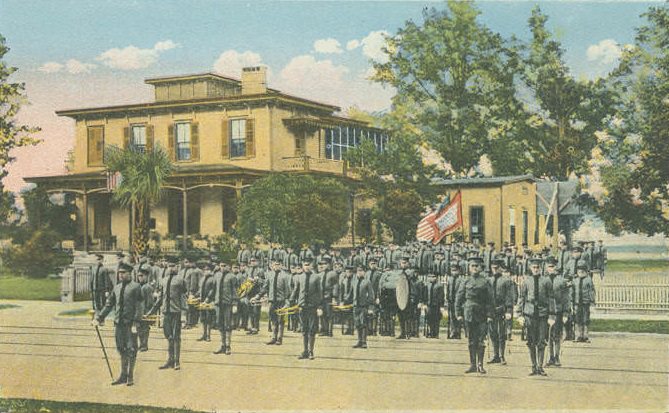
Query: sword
104	351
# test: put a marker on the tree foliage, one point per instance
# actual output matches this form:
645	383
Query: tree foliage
142	177
42	212
294	209
632	156
12	133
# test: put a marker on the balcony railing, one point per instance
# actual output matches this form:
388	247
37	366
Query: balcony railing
308	163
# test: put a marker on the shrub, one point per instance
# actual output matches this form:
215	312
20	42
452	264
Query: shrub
36	257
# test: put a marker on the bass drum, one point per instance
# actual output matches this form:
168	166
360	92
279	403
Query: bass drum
402	293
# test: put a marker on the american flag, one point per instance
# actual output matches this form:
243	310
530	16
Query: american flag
448	219
425	229
113	180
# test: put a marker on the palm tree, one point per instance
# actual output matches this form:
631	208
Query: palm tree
142	178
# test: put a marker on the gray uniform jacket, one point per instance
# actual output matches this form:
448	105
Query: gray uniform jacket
307	295
530	303
562	293
584	291
129	307
172	299
207	284
101	279
277	287
474	299
361	293
225	289
503	290
147	295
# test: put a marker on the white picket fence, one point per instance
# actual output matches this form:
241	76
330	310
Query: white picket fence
75	280
643	292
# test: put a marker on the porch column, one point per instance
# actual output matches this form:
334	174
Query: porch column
185	218
85	202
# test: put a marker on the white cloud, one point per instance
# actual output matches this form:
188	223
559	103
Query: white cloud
352	44
326	82
327	46
606	52
231	62
132	57
51	67
373	44
76	67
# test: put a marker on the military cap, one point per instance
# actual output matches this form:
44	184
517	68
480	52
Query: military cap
171	259
497	261
582	266
578	249
307	260
120	254
143	270
324	260
491	242
359	267
373	260
349	267
202	263
454	265
406	256
253	259
551	261
475	260
277	259
535	261
124	267
99	256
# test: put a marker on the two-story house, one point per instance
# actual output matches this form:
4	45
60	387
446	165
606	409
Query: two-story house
221	133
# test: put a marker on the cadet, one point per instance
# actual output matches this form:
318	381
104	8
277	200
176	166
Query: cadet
101	284
537	306
562	293
433	300
329	279
343	292
452	286
362	298
128	304
569	273
149	301
503	300
207	284
407	315
277	289
255	275
172	301
373	275
225	299
191	276
473	305
308	296
584	296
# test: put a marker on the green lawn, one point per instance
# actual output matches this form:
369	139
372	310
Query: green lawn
21	288
5	306
47	406
637	265
77	312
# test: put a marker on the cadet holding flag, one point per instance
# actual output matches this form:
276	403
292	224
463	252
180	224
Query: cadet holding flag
128	304
474	307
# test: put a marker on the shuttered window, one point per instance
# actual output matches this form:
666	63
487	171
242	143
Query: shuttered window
237	138
139	137
182	136
96	143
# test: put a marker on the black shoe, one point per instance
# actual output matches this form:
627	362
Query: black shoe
303	356
541	371
220	350
557	362
534	372
271	342
311	355
471	369
208	339
278	342
401	337
495	360
358	345
169	364
130	382
364	345
550	362
481	369
177	366
502	361
120	380
228	351
203	338
143	349
249	332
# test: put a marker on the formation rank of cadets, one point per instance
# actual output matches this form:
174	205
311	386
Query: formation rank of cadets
479	291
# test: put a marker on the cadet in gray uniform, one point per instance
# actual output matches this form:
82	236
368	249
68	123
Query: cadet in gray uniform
278	289
502	296
308	296
329	279
562	293
452	286
584	297
101	284
149	300
474	306
225	299
128	304
207	283
172	302
537	306
433	300
362	298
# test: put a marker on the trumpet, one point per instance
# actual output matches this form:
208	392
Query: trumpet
150	319
193	301
245	288
342	307
288	310
205	306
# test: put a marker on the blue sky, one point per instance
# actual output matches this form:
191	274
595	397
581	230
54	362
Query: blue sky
75	53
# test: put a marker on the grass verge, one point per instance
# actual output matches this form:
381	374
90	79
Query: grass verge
637	265
6	306
613	326
77	312
48	406
20	288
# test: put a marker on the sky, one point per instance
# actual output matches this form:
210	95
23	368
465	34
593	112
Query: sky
84	53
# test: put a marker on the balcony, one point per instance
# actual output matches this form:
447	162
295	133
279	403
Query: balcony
309	164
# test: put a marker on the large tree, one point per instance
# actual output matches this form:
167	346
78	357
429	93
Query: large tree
457	78
13	134
632	155
555	134
142	177
294	210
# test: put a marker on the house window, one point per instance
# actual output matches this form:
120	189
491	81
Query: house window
512	226
183	141
476	222
139	138
96	143
300	146
341	139
237	138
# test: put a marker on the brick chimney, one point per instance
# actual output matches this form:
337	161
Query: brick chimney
254	80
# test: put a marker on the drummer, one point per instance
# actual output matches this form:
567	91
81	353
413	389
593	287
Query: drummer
406	314
387	301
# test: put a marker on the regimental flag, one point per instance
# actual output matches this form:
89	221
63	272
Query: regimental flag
113	180
448	219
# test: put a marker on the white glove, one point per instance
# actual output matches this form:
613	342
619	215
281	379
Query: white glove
489	319
444	313
521	321
370	312
234	309
378	301
564	319
460	318
319	312
551	320
95	322
133	329
507	316
106	294
156	294
419	306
